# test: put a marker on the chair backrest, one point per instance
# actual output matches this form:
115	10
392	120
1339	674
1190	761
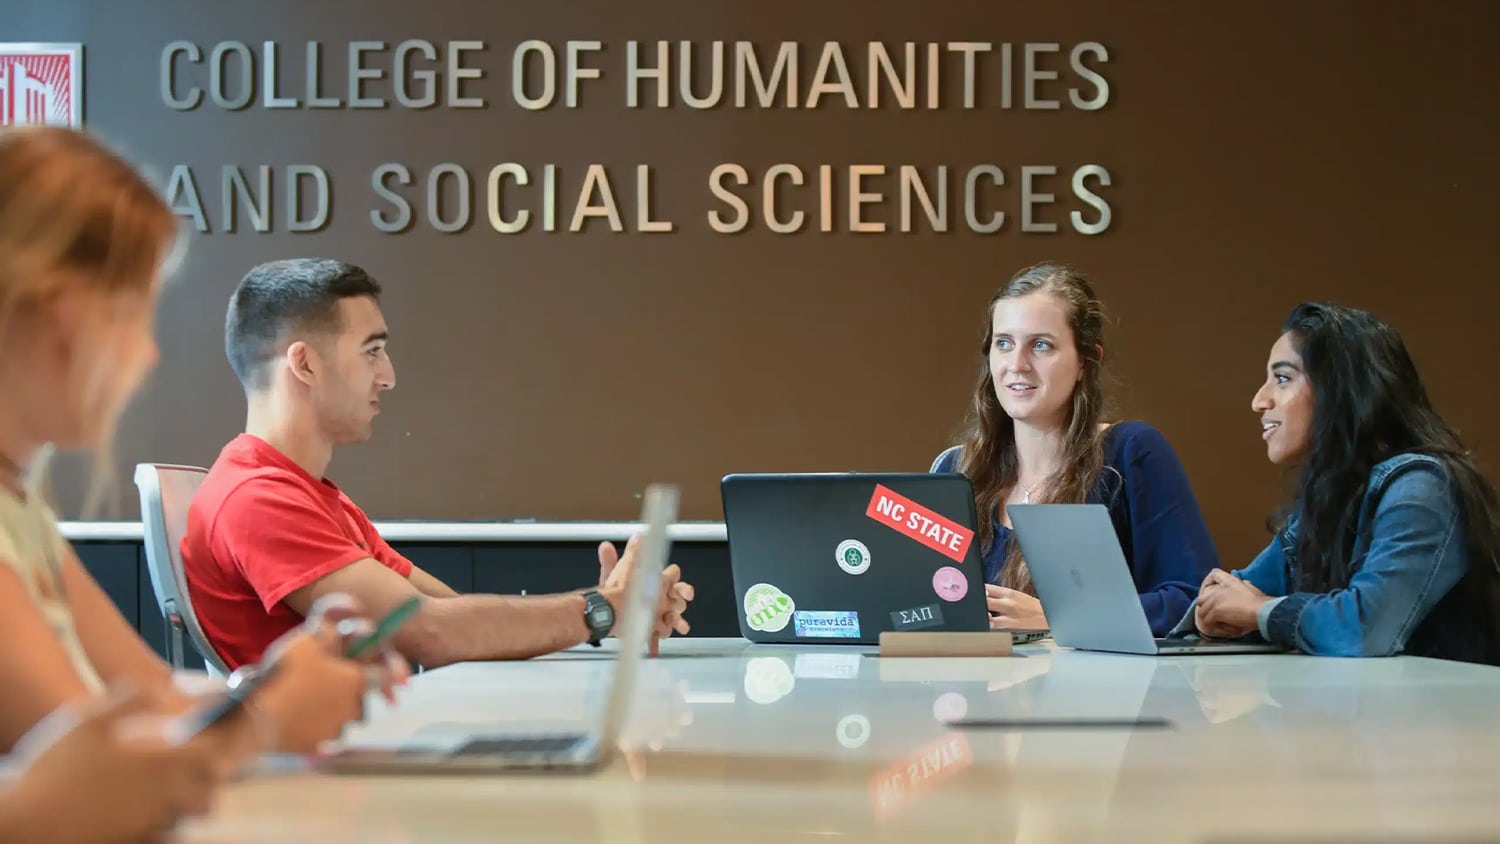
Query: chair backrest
956	450
166	491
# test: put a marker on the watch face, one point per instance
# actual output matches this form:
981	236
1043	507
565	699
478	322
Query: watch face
601	615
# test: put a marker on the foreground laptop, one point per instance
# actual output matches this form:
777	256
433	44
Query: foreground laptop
1084	584
486	752
840	558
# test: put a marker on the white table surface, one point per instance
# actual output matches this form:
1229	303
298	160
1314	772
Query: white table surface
733	742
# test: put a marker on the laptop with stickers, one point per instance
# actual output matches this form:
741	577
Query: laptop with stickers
840	558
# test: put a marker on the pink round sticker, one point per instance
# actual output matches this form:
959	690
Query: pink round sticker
950	584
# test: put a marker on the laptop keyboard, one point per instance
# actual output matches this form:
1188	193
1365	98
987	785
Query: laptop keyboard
519	745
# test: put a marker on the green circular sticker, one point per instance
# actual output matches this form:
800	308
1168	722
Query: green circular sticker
767	608
852	556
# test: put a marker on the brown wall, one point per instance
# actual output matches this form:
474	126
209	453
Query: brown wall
1261	153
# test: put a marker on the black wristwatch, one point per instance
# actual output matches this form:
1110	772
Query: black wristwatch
598	615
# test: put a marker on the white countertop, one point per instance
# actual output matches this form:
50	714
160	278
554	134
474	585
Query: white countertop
732	742
414	531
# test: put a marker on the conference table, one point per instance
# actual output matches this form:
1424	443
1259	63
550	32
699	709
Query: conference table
730	741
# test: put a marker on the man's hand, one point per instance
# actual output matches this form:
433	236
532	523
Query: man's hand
614	581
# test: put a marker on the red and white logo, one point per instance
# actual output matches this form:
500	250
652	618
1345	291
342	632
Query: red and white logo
922	524
41	84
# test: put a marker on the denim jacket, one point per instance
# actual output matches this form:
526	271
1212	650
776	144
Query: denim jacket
1410	552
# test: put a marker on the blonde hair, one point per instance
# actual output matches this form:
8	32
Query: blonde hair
72	209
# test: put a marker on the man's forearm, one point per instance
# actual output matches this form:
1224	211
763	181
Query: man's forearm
482	627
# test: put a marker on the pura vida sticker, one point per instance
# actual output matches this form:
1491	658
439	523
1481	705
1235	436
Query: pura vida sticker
834	624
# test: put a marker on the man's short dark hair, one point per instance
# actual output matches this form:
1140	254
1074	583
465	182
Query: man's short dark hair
278	299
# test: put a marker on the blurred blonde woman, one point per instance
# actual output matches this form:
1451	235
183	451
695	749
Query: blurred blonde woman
83	240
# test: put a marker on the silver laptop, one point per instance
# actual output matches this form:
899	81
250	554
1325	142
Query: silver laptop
1084	584
487	752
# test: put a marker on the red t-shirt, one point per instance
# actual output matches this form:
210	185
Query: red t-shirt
259	529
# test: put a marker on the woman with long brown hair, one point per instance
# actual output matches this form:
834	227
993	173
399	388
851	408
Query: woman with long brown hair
1037	434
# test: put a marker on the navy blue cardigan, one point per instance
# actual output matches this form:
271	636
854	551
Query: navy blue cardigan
1156	516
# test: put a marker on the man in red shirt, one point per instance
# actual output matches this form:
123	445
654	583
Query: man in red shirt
267	534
